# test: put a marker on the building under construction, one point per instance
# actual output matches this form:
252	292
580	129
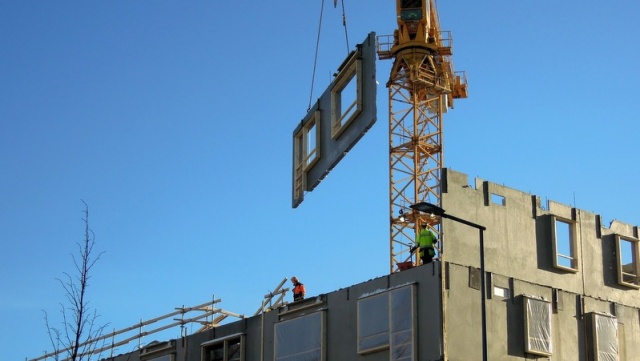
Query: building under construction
551	282
513	279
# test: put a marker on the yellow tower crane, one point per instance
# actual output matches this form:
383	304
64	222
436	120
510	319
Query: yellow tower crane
422	86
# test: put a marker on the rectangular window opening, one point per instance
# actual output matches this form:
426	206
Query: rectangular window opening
498	199
229	348
300	339
604	337
373	323
401	332
311	145
346	96
501	292
387	321
537	326
159	351
564	244
306	143
628	262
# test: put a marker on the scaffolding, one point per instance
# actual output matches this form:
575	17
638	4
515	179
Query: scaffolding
207	315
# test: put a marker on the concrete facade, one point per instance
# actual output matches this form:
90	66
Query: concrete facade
339	331
535	308
519	262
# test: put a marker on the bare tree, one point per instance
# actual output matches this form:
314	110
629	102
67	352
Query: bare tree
76	339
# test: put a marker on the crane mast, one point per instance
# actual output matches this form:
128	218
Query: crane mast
422	85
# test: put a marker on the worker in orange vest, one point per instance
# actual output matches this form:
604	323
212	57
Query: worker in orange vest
298	289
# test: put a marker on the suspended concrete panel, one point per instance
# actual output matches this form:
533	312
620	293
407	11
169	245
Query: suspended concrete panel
335	123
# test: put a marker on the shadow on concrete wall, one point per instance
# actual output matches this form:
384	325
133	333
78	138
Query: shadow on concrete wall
515	329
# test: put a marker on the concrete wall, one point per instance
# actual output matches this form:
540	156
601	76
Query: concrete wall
340	309
519	262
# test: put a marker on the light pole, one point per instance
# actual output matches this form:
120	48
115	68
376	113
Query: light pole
435	210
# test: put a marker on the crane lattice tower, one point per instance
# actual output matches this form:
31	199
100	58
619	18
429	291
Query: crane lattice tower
422	86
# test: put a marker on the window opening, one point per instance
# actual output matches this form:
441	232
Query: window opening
224	349
498	199
604	337
300	339
564	244
346	96
159	351
401	332
373	323
311	145
628	262
306	152
537	326
501	292
311	142
386	321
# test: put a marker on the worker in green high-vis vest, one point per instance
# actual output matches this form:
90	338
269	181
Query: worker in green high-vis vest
427	240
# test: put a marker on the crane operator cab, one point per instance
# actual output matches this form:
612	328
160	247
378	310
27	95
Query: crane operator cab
414	28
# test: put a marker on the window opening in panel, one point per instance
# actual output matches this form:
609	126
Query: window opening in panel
604	338
224	349
498	199
311	144
564	244
538	326
387	321
373	323
501	292
159	351
306	153
307	143
346	97
628	262
402	335
300	339
349	98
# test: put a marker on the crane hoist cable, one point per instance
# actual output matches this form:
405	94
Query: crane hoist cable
344	22
315	60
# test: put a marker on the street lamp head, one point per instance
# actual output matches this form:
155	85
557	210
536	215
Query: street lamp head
428	208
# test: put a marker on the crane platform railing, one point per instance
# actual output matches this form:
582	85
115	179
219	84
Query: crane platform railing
385	43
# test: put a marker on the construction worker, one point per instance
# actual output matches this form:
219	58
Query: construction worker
298	289
426	241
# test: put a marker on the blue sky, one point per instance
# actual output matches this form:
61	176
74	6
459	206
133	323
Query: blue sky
173	122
